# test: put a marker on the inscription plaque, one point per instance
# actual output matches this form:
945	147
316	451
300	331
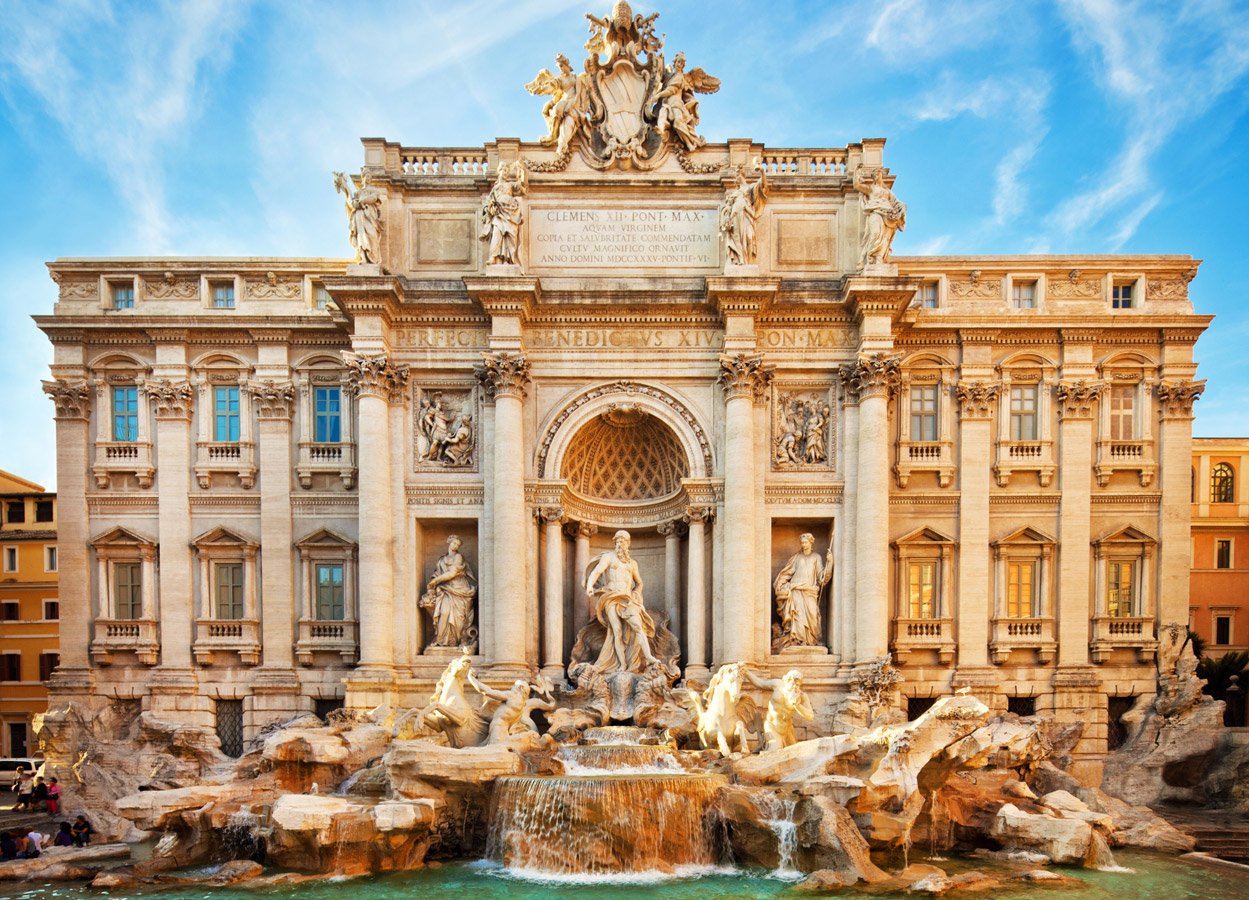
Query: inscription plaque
644	238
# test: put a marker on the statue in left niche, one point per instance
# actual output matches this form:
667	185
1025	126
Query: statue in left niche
741	207
503	213
798	587
449	596
364	217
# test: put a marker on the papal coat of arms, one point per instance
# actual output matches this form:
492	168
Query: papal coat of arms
627	108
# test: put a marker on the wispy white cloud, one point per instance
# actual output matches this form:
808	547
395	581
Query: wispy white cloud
922	29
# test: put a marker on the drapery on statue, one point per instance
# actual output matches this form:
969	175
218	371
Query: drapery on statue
798	586
566	113
502	214
618	605
677	110
885	216
787	700
449	597
741	206
364	217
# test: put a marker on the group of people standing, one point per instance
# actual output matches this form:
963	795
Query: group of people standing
33	792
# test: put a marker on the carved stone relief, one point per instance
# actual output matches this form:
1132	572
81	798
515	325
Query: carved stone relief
445	422
801	428
171	287
274	287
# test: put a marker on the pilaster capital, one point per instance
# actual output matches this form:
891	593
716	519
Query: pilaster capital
576	530
1176	398
872	375
698	515
744	375
1076	398
272	399
173	399
976	399
71	398
374	375
503	374
671	529
550	515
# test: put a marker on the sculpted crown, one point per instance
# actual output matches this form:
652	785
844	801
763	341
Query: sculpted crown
1178	397
375	375
976	398
71	398
744	376
1076	398
172	398
873	375
503	374
628	107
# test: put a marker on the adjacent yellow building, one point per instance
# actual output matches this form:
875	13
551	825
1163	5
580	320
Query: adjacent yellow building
29	609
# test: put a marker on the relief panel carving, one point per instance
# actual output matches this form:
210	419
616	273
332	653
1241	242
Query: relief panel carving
445	421
801	427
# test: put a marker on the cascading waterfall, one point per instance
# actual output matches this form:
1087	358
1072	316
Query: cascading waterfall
778	813
621	759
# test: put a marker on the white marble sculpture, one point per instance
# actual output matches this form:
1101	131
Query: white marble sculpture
741	207
449	596
617	603
884	214
718	721
566	113
449	711
444	437
503	213
787	700
364	217
798	587
514	713
800	434
676	109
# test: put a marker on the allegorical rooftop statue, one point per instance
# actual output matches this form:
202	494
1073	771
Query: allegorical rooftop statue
364	217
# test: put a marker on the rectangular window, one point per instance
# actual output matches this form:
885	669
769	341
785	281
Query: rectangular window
1119	582
1023	295
10	559
923	588
10	611
128	590
1021	706
123	296
125	413
928	295
917	706
223	294
1222	630
330	592
230	727
11	667
51	609
924	413
1123	412
1121	296
17	739
229	590
321	296
1223	554
15	511
328	415
1020	588
44	510
49	559
47	663
1024	421
226	414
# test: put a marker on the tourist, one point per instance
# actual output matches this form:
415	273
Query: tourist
54	796
8	846
39	794
24	784
64	837
34	844
82	831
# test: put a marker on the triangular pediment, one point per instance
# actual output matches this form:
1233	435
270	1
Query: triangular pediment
924	535
1025	535
222	536
123	537
1128	534
325	537
14	484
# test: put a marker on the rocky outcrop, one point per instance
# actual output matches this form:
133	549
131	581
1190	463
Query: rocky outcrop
347	837
302	757
64	863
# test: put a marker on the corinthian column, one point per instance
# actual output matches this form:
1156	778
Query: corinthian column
372	379
696	594
580	532
744	379
976	402
552	520
672	574
874	379
274	402
1075	469
503	376
1175	454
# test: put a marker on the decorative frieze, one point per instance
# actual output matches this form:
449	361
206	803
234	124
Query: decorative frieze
374	375
170	287
1076	398
272	399
974	287
1176	398
744	376
172	399
503	374
1075	287
273	287
72	399
976	399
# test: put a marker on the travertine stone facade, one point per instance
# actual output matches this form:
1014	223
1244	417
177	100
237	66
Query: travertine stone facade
996	449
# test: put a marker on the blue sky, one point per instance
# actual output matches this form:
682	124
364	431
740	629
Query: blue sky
211	127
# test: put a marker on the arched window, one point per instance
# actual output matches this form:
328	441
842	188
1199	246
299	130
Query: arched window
1222	484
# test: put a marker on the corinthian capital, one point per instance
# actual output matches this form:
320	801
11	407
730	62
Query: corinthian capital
1177	397
1076	398
976	398
744	376
503	374
272	399
374	375
71	398
173	399
874	375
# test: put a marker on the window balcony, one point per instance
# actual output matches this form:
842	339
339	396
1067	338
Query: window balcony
123	458
137	636
1032	633
336	458
1025	456
1112	633
235	457
326	636
1132	456
925	456
911	635
241	636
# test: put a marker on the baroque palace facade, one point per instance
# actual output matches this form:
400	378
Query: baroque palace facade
262	461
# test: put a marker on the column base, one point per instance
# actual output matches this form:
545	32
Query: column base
697	672
508	671
78	680
174	696
553	673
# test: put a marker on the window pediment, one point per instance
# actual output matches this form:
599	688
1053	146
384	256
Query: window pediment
224	538
1027	536
1127	537
121	538
923	536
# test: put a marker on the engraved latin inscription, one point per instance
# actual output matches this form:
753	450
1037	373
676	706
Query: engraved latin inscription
606	238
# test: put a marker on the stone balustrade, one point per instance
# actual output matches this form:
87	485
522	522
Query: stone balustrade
241	636
1129	456
1111	633
114	458
1025	456
911	635
137	636
327	636
1023	633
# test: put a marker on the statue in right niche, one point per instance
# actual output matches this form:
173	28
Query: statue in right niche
449	596
798	587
